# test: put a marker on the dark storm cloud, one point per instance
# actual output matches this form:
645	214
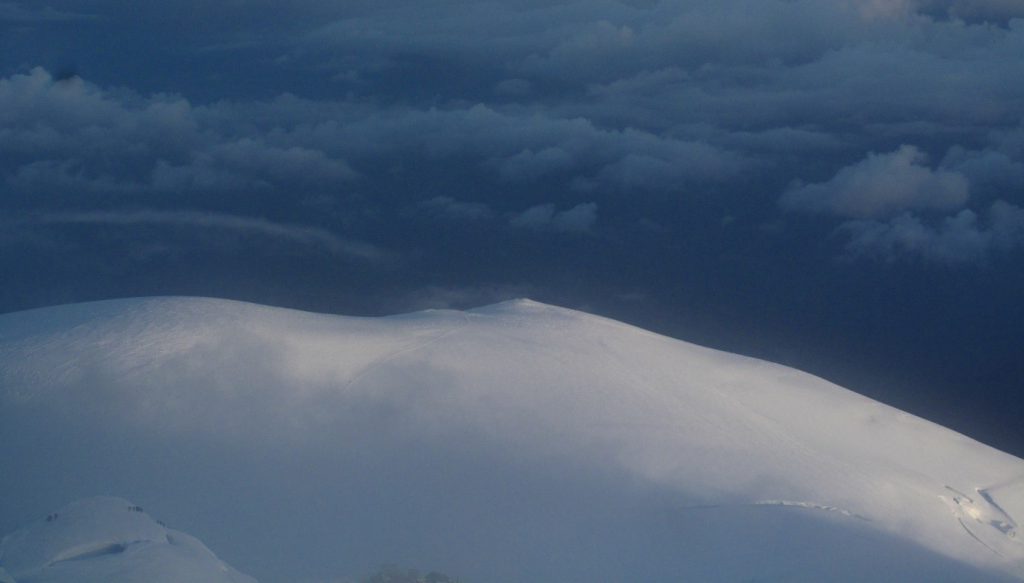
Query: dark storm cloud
70	138
521	146
835	108
65	137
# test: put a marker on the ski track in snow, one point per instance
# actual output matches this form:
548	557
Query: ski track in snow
812	506
816	506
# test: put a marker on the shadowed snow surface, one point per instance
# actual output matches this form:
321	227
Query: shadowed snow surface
514	442
104	539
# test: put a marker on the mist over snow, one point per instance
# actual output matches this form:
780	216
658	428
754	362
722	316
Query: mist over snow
513	442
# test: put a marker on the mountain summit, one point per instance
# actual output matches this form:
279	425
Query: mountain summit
514	442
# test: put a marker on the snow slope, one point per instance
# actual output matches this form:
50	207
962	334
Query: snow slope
514	442
104	539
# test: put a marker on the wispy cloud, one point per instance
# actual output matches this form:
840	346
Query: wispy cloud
246	226
545	217
15	12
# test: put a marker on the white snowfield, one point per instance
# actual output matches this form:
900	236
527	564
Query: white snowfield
105	539
515	442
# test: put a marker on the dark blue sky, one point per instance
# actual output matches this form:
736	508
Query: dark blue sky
838	186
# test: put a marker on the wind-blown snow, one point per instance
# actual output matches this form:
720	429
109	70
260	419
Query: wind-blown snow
513	442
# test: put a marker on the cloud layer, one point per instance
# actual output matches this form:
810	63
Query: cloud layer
830	108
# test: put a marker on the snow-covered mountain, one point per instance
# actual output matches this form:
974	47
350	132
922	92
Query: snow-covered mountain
514	442
105	539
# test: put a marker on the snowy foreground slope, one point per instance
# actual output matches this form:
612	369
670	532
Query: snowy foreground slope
515	442
104	539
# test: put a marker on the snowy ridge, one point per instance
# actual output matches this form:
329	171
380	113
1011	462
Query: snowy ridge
107	539
509	430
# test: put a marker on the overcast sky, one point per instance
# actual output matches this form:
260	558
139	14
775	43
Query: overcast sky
837	185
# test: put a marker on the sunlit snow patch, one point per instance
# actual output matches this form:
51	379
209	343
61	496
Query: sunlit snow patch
984	519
